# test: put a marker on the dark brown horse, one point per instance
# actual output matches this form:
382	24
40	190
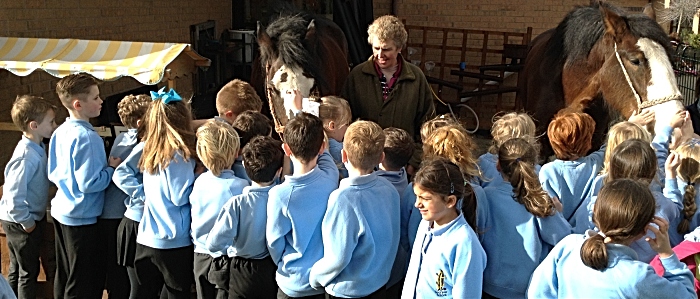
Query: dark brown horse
298	52
602	61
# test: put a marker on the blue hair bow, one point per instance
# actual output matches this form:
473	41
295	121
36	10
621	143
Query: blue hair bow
693	142
166	97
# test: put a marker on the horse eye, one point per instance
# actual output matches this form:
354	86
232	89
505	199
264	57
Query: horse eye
635	61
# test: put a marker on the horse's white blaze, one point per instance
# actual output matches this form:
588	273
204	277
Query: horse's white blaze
294	80
663	81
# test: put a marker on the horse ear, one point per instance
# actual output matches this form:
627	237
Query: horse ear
263	39
615	25
650	11
311	30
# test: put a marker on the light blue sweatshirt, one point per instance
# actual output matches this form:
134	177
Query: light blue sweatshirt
240	225
78	167
334	148
489	172
239	170
128	178
114	197
166	215
360	237
209	195
295	211
516	242
570	181
562	274
447	262
26	190
400	181
660	143
397	178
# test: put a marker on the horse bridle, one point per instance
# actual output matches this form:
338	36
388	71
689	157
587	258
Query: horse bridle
640	105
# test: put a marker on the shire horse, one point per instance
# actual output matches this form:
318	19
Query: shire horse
299	52
601	61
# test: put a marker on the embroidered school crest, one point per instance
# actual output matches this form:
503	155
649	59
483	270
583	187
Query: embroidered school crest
440	291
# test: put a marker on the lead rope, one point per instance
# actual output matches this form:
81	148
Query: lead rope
629	81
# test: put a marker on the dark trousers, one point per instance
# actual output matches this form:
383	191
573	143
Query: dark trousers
116	279
155	267
202	264
394	292
282	295
378	294
24	258
78	268
251	278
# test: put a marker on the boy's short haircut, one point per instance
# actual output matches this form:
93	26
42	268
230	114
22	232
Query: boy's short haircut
250	124
398	148
28	108
73	85
304	136
364	144
217	146
263	156
570	135
133	108
237	96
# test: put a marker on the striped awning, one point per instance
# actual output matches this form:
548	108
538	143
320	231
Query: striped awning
106	60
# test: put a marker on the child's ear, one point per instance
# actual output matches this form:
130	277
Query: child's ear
451	201
331	125
77	106
286	149
343	155
33	125
138	123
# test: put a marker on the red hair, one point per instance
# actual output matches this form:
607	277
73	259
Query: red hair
570	135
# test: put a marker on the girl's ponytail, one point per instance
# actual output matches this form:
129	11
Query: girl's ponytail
469	206
517	158
594	254
689	208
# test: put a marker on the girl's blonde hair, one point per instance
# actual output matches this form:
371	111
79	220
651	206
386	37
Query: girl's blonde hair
513	125
632	159
335	109
452	142
517	158
430	126
620	132
689	171
217	145
168	131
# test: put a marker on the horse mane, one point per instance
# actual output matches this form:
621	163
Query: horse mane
583	27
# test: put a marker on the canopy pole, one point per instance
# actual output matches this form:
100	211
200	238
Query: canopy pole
171	82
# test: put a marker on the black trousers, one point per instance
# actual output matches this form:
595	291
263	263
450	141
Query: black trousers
116	279
252	278
24	258
172	267
378	294
202	264
282	295
394	292
78	268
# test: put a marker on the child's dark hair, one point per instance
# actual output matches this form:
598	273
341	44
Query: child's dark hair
28	108
623	210
689	171
516	158
133	108
442	177
304	136
237	96
633	159
398	148
262	156
250	123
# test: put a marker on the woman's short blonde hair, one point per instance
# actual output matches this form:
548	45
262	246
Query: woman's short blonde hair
388	28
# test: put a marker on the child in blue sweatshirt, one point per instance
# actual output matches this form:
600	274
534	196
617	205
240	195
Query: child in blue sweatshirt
217	148
361	226
296	207
570	177
77	166
131	110
26	192
164	251
336	116
602	265
248	125
688	179
447	260
243	219
523	222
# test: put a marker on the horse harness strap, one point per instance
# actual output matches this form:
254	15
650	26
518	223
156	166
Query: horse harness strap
640	105
279	128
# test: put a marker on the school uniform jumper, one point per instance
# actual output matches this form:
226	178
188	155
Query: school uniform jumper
515	242
209	194
562	274
240	226
239	170
334	148
23	204
360	237
398	271
164	251
446	262
295	211
77	165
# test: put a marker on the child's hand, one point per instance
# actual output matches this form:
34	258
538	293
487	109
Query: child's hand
678	119
557	204
661	243
114	161
31	229
644	118
671	166
292	99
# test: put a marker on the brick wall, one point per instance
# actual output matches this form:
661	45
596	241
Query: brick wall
129	20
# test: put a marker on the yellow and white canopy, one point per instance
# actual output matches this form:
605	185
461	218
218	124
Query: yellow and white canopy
106	60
